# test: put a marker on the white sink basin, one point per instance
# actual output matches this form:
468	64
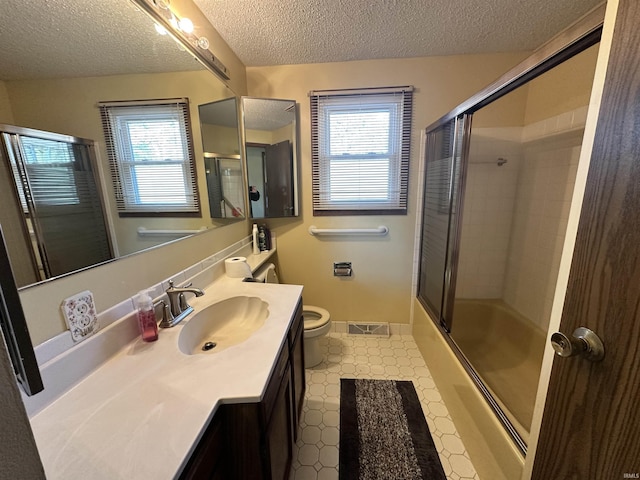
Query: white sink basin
222	325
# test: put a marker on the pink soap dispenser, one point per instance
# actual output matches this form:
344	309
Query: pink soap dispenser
146	317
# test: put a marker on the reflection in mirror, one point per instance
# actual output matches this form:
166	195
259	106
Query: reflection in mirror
53	83
49	183
223	165
270	134
225	185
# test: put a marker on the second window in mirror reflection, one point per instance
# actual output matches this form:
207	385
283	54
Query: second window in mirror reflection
151	157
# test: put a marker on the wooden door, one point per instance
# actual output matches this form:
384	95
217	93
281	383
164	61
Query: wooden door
591	423
279	180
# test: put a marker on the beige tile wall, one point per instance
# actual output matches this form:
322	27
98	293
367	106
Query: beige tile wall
515	215
541	210
487	217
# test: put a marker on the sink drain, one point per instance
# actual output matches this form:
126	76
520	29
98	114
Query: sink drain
208	346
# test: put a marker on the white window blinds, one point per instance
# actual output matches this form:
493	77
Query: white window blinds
151	156
360	150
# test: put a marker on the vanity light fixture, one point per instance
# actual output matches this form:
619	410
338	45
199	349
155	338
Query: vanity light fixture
183	31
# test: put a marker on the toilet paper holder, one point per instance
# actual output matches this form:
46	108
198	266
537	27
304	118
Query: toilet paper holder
342	269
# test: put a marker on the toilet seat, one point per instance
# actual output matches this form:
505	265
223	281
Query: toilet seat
318	318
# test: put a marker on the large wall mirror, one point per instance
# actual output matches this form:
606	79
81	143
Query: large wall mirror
55	68
270	134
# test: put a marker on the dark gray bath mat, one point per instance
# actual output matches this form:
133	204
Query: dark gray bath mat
383	433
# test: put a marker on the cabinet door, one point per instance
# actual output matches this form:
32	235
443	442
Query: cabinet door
209	459
297	377
279	432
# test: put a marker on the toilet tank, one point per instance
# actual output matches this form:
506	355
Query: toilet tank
267	274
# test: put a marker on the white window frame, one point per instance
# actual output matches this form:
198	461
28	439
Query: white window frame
360	182
168	187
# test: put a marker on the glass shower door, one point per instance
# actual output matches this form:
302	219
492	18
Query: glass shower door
489	264
443	154
60	199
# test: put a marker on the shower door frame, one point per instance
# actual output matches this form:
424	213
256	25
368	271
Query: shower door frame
575	39
457	169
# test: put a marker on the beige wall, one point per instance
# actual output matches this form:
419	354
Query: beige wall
565	88
259	136
69	106
6	114
380	289
219	139
270	137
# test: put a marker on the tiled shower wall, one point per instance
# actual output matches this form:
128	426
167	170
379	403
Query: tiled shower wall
489	197
515	215
541	211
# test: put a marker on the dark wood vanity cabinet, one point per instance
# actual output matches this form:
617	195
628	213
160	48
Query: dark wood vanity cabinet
296	348
254	441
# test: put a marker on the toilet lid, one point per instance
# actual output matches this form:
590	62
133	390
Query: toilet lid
314	317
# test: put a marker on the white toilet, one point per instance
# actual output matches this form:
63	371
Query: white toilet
317	321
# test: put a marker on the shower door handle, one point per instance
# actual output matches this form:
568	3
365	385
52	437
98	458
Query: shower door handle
582	342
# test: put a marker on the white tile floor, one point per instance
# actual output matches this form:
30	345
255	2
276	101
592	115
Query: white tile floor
358	356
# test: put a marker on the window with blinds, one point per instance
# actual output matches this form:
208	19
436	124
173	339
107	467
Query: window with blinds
360	141
151	157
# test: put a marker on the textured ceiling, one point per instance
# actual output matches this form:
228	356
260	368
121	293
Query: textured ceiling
266	114
277	32
70	38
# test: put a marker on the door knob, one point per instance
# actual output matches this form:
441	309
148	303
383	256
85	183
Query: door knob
582	342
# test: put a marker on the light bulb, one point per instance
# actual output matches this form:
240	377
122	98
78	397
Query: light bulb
160	29
186	25
173	21
203	43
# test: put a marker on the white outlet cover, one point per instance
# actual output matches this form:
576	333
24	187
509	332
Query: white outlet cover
80	314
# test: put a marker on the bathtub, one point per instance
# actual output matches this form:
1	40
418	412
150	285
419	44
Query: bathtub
505	349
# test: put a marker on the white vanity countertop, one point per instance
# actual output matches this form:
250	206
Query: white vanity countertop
141	414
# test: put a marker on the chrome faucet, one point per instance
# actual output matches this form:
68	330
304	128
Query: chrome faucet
178	307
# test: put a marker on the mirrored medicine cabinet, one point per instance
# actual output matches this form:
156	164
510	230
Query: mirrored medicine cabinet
271	143
222	160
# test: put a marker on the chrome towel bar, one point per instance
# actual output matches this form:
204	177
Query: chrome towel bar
380	231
